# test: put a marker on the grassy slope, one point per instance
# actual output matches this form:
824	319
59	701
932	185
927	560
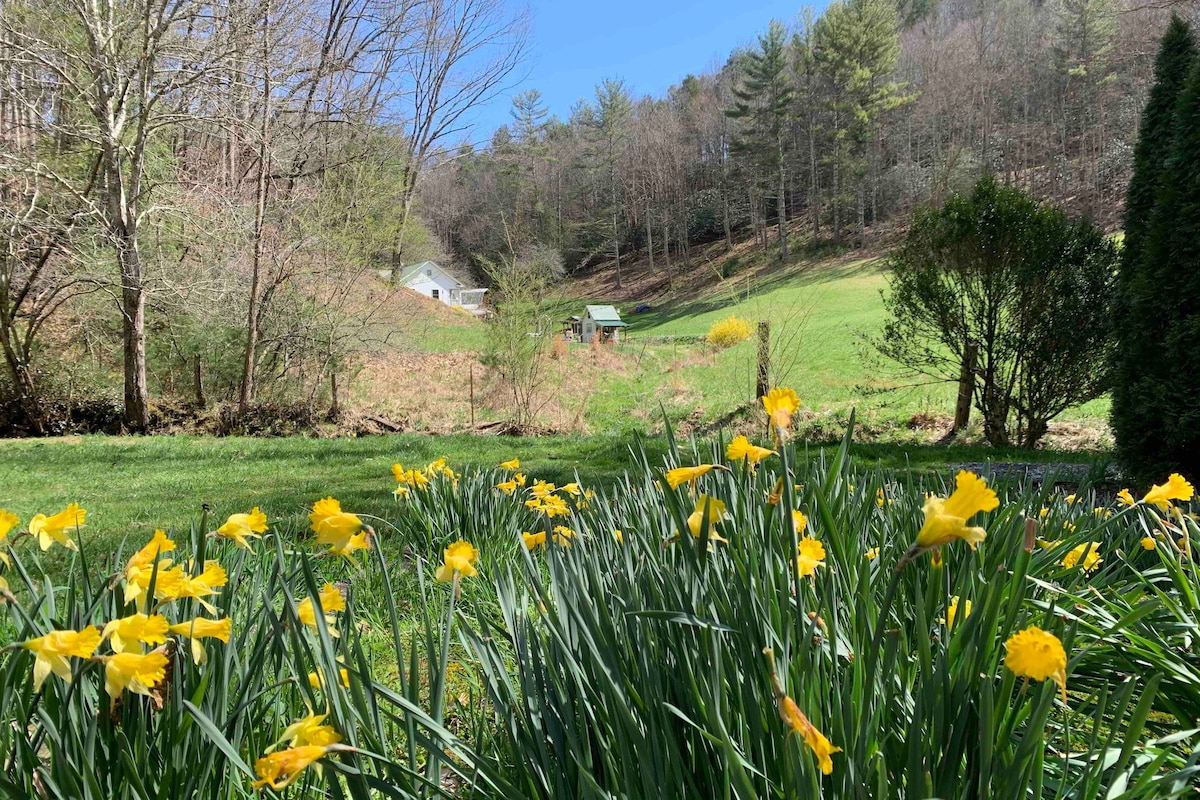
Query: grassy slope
824	311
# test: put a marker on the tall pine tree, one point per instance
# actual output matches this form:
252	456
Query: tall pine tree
762	102
1143	371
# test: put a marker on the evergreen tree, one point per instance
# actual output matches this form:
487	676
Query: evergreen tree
762	101
856	45
1141	367
1171	276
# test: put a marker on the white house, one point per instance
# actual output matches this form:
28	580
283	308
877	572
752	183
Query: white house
429	279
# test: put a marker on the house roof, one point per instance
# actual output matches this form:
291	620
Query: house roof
606	316
416	269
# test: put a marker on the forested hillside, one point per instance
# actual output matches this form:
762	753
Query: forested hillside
846	119
196	195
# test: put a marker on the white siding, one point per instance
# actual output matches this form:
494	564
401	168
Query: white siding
447	288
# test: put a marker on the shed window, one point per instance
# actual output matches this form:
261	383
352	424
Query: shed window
434	293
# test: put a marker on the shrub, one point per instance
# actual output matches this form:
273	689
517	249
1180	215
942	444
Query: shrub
1018	281
728	332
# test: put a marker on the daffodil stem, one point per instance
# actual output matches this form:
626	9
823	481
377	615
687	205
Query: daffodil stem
438	684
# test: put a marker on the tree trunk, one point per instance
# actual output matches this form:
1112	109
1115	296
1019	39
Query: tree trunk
133	332
666	237
650	238
617	248
782	210
246	396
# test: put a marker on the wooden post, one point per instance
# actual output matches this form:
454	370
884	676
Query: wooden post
198	383
966	387
334	411
763	384
472	381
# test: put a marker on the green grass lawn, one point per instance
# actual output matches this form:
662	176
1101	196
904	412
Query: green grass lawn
132	485
823	319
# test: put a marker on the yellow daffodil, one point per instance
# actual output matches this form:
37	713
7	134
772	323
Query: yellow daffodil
872	554
331	602
177	584
309	731
52	651
519	478
572	489
317	681
126	633
776	493
550	505
716	512
740	449
1090	561
1148	543
563	535
508	487
822	748
1125	498
681	475
157	545
133	671
458	560
799	522
880	498
1161	495
946	519
533	540
511	465
809	556
1070	499
1034	653
340	530
240	526
619	535
279	769
8	521
542	489
952	611
780	405
54	528
200	628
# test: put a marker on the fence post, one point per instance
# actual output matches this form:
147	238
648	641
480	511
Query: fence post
966	387
472	381
763	385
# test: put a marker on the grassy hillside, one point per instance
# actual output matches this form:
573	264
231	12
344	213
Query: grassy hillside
825	310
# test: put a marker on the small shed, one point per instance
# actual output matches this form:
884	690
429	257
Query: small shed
603	322
572	328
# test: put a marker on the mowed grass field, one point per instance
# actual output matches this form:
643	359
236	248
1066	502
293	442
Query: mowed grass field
132	485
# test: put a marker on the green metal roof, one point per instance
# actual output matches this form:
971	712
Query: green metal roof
606	316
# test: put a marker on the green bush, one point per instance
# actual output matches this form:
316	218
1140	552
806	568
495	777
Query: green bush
1020	284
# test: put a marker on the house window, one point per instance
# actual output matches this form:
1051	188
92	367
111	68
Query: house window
434	293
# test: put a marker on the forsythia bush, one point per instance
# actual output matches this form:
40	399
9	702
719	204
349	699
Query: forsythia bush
745	623
728	332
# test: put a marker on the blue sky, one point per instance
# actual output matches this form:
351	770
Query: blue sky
652	44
